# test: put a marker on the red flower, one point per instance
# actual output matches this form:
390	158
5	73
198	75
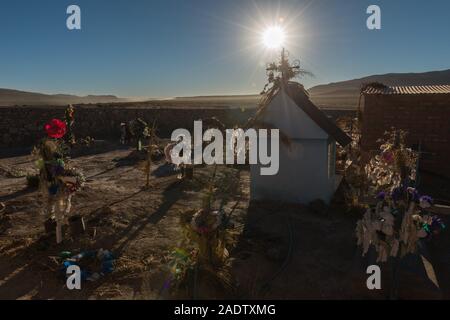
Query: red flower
56	128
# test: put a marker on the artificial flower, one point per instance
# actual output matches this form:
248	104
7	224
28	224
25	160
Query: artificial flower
425	202
56	129
381	196
388	157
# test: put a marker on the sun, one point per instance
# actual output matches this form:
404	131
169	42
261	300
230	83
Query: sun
274	37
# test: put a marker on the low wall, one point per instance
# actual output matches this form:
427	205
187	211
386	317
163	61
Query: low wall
23	126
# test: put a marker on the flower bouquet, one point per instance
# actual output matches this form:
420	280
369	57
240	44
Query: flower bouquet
399	219
394	165
396	223
203	259
203	228
207	227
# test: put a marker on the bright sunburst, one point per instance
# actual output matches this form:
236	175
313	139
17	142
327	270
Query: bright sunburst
263	30
274	37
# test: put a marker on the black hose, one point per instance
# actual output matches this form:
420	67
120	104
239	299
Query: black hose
286	261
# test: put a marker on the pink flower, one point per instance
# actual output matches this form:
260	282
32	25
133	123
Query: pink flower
388	157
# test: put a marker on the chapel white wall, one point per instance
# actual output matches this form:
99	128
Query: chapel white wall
303	171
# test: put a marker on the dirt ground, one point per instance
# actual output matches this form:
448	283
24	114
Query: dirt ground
278	252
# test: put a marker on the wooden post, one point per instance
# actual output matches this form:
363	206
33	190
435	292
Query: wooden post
59	217
149	153
149	163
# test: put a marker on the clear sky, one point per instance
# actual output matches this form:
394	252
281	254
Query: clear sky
165	48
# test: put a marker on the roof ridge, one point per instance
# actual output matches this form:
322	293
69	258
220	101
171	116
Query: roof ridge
300	97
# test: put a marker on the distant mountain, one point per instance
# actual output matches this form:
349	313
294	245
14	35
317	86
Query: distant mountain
219	98
239	101
10	97
345	94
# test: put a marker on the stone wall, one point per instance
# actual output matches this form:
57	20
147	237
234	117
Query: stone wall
426	118
23	126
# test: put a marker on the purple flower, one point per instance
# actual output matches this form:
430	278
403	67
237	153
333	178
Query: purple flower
426	199
437	222
381	196
425	202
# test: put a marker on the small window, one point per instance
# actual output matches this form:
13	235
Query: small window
331	158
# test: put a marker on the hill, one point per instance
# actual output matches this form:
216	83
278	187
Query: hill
339	95
345	94
10	97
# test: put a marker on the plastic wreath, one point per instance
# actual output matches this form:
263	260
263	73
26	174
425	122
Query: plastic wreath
52	161
73	180
205	222
395	163
54	171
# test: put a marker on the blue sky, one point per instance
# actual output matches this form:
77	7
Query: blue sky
165	48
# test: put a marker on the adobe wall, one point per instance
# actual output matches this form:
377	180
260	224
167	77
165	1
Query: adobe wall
425	117
23	126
